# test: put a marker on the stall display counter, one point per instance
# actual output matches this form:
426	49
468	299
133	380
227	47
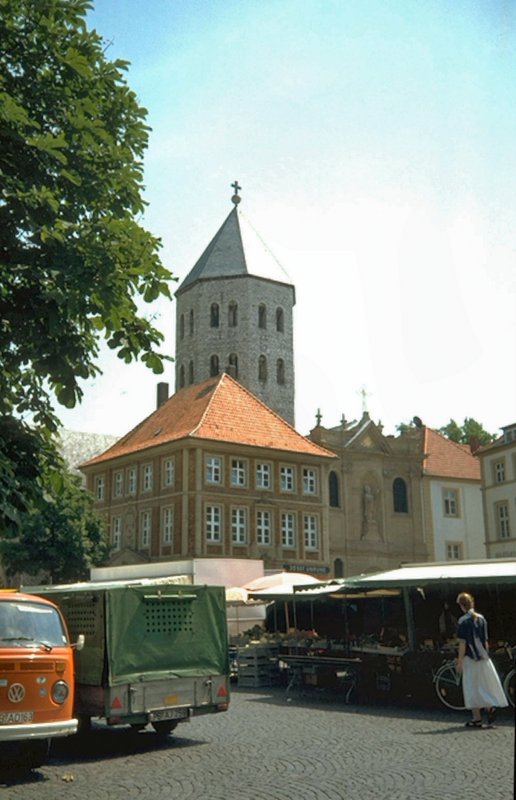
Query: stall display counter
322	671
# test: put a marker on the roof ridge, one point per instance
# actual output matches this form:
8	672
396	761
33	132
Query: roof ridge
267	408
219	380
206	253
262	241
464	448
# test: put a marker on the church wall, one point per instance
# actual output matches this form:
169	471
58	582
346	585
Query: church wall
366	532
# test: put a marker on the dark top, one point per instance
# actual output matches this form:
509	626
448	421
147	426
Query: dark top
473	630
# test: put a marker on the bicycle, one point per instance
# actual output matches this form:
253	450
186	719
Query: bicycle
448	684
509	682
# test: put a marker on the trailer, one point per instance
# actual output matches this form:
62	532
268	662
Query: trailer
156	651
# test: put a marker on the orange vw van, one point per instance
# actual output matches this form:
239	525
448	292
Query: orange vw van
36	679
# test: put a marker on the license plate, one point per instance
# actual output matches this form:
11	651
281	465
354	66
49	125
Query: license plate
16	717
168	713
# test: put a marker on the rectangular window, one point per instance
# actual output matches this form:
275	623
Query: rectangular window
213	523
213	469
168	525
309	481
263	527
263	476
146	477
238	472
499	471
116	532
145	529
239	525
311	532
504	531
288	529
131	481
287	479
100	485
453	551
118	484
169	472
450	503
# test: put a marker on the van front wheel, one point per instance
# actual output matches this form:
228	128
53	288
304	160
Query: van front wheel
34	754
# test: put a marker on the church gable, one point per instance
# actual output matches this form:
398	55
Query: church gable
368	438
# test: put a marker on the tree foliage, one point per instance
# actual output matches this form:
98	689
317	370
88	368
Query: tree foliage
63	539
74	260
469	432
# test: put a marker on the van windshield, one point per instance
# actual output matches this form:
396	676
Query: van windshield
26	624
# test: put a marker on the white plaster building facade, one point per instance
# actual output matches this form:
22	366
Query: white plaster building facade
498	464
452	499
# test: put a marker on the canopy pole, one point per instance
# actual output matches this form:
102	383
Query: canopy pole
409	617
287	618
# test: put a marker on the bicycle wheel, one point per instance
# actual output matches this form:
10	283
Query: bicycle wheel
448	687
509	686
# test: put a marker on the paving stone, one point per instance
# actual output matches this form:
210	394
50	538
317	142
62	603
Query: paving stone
265	748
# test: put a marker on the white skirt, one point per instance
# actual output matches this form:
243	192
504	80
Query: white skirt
481	684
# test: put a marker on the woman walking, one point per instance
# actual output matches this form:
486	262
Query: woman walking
480	682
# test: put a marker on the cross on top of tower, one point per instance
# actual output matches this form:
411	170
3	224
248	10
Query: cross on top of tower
236	197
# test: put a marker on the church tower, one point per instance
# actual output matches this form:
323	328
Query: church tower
235	313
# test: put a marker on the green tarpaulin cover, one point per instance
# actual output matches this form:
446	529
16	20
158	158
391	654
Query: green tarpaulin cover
145	632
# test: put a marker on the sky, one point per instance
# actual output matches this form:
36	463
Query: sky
375	144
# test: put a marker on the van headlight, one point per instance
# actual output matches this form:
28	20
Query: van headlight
60	691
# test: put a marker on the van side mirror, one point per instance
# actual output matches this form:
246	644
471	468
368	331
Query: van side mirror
79	644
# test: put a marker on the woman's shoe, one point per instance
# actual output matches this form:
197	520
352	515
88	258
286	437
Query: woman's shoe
473	723
491	716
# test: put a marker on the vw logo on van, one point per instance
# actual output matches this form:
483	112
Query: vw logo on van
16	693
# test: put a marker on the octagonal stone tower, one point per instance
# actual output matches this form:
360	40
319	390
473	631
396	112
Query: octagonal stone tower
235	313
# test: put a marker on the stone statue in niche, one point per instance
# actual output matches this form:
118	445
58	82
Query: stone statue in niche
369	521
369	499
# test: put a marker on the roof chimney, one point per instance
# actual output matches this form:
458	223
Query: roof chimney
161	394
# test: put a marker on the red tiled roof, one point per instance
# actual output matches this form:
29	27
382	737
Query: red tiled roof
219	409
446	459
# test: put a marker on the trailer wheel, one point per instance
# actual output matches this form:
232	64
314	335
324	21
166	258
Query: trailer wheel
164	727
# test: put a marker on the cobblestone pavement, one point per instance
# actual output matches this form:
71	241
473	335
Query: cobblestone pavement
268	748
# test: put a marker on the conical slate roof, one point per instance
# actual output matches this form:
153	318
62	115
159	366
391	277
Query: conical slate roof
236	249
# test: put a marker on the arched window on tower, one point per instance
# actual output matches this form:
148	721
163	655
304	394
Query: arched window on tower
233	314
280	371
191	321
333	486
190	373
233	364
181	376
399	496
182	326
262	315
262	369
214	315
280	320
214	366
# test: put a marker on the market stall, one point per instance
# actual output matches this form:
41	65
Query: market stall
386	635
